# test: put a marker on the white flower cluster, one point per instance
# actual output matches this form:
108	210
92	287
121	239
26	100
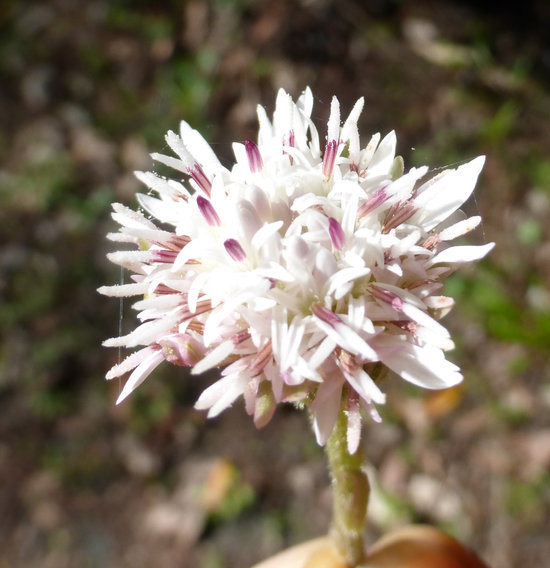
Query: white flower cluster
301	271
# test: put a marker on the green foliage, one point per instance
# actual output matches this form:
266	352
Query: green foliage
238	497
496	129
523	498
485	298
529	232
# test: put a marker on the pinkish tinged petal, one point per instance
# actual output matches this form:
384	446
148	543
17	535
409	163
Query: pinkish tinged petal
288	140
254	157
181	349
208	211
336	233
329	158
197	173
372	203
387	297
235	250
325	315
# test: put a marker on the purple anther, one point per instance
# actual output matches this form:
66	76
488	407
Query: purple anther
197	173
326	315
387	297
208	212
336	233
255	162
329	158
235	250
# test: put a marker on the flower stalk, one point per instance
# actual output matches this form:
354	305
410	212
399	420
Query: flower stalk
350	490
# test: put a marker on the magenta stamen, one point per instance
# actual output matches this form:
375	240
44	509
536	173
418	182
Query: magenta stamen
336	233
255	162
372	203
387	297
177	242
241	336
288	140
431	242
201	307
197	173
397	214
329	158
163	256
260	360
326	315
208	211
408	326
235	250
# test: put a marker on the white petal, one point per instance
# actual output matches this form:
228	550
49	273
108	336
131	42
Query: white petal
354	426
460	228
443	195
166	188
265	131
124	290
333	127
324	349
131	362
421	317
176	143
214	357
292	342
221	394
422	366
462	254
366	387
140	373
350	132
173	163
163	210
348	339
345	276
264	234
202	151
326	407
383	157
131	219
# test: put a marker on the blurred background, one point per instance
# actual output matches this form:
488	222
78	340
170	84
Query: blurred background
87	90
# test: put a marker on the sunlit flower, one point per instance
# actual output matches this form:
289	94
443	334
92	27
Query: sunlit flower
302	272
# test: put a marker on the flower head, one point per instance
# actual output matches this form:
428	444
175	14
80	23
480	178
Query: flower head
301	271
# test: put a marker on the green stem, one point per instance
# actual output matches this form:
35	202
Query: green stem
350	489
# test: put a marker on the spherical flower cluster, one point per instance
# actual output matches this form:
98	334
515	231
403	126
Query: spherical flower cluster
302	271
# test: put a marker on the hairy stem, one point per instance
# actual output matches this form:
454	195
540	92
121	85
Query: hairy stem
350	489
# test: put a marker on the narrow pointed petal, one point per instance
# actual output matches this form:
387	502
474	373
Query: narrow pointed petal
140	373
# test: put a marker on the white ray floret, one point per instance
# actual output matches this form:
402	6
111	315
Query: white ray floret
301	271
